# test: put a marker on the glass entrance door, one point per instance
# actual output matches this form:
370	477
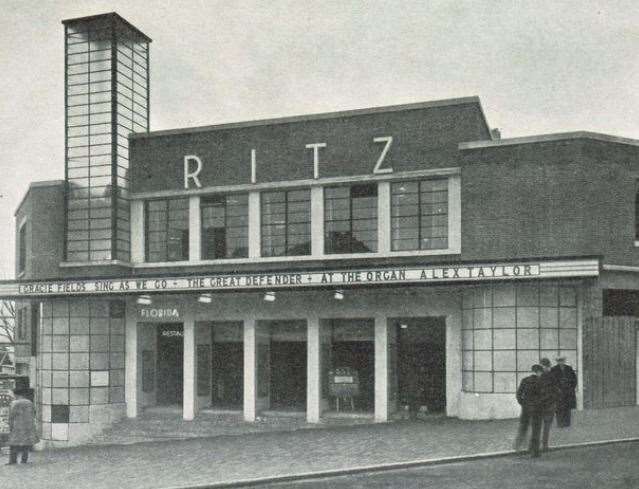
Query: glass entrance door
170	360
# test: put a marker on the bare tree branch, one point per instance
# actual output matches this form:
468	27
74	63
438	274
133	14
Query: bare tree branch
7	320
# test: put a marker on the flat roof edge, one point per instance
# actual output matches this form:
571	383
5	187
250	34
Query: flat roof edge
43	183
115	15
542	138
311	117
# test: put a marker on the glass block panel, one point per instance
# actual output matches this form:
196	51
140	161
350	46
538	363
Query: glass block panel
568	339
505	382
526	359
504	317
505	361
483	382
79	396
483	340
483	360
504	339
548	317
483	318
79	378
467	382
527	339
567	318
79	414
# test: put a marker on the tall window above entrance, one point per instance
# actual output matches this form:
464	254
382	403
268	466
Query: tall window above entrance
350	216
167	230
286	223
224	226
419	215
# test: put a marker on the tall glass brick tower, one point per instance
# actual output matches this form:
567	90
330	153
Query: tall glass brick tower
107	98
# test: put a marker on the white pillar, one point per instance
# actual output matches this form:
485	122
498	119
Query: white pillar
131	362
454	214
383	217
314	371
250	370
317	221
381	369
137	231
189	401
195	229
254	230
580	347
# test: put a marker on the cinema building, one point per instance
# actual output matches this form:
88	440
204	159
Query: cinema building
262	267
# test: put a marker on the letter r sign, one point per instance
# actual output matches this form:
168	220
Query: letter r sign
189	173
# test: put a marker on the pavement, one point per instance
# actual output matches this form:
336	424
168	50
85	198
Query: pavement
216	460
602	467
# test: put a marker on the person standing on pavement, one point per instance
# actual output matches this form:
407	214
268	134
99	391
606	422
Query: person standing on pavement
550	398
530	396
566	380
22	435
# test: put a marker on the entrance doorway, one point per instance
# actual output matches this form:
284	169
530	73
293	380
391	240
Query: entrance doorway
353	347
170	360
288	365
227	365
422	363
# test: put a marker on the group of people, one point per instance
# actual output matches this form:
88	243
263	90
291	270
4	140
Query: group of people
546	394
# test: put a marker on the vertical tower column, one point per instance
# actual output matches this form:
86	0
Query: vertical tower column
381	369
189	400
314	371
106	98
250	370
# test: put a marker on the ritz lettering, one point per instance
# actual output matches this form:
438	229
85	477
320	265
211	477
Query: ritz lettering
193	164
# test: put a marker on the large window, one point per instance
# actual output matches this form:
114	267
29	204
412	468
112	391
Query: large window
22	248
419	215
507	328
350	219
167	230
224	226
286	223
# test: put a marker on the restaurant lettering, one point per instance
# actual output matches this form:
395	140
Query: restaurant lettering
159	313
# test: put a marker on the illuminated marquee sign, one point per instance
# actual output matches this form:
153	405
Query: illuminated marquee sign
295	279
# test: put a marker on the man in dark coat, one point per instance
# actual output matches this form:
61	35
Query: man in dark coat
22	428
566	380
550	398
530	396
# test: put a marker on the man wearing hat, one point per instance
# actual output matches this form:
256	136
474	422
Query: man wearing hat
550	398
22	428
566	380
530	395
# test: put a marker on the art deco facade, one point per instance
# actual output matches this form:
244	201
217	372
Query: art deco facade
247	266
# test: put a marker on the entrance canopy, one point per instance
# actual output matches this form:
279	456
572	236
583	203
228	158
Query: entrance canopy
459	272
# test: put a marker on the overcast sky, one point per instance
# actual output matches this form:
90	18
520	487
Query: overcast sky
538	67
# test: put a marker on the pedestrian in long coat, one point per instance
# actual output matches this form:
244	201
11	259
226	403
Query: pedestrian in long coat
531	396
566	380
22	428
550	394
